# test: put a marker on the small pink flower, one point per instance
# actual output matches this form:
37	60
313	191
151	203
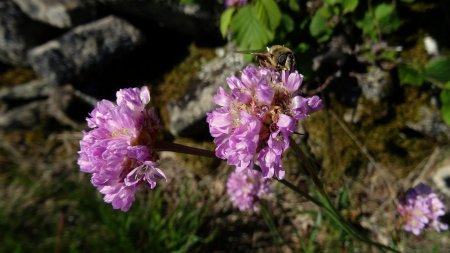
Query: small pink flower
420	209
246	188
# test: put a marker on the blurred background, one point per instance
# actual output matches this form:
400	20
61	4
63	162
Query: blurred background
381	67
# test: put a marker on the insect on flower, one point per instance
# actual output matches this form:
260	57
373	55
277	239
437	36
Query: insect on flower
276	57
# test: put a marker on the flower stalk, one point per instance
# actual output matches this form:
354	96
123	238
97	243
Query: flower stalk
180	148
325	202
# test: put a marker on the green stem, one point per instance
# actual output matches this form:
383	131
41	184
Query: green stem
439	84
308	167
179	148
271	225
302	193
325	202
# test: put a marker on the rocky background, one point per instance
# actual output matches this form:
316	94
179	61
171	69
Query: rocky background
59	57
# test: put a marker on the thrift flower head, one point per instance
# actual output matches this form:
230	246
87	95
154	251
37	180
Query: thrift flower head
232	3
256	118
420	209
247	188
118	150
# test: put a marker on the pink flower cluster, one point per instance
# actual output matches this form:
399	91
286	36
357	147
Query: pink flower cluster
256	118
247	188
421	208
118	150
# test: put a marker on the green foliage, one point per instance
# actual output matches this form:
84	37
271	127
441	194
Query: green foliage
445	100
294	5
319	26
327	17
438	69
248	31
409	75
386	18
287	23
159	229
69	215
253	26
383	20
187	2
268	13
343	199
436	72
349	5
225	20
309	242
269	220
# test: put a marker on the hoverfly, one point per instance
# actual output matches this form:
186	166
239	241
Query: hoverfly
277	57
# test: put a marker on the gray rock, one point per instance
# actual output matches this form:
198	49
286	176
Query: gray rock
34	89
430	123
187	115
58	100
442	178
189	19
331	62
26	116
376	84
18	33
58	13
84	49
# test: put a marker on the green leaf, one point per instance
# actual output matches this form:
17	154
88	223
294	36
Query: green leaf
445	108
248	31
268	13
294	5
408	75
349	5
343	200
225	20
319	25
367	25
187	2
389	55
331	2
303	47
386	18
383	19
287	22
446	86
438	69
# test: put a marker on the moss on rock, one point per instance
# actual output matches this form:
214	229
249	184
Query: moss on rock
388	142
175	83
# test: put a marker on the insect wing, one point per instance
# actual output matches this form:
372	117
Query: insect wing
253	52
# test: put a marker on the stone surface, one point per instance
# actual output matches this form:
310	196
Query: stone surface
84	49
26	116
18	33
188	115
31	90
430	123
442	178
334	60
376	84
58	13
54	102
188	19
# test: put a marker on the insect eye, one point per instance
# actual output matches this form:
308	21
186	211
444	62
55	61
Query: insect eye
282	59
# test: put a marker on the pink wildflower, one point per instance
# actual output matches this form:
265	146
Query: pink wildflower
256	118
118	150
